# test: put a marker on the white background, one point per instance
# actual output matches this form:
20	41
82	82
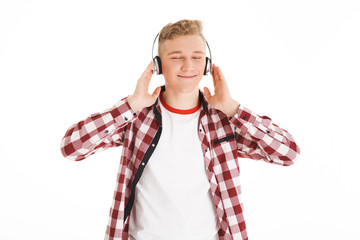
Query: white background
294	61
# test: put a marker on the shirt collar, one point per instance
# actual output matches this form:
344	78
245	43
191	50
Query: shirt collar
157	110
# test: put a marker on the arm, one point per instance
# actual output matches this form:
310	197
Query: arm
104	130
97	132
256	136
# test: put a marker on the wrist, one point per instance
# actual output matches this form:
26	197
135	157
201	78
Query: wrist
133	103
231	107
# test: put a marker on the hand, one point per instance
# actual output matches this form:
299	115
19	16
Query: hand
141	97
221	99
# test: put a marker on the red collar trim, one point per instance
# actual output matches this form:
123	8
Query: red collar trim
178	111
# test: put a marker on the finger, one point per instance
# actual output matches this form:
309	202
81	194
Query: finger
147	74
151	65
213	70
207	93
214	74
217	73
149	68
220	78
217	80
144	80
223	80
222	86
221	75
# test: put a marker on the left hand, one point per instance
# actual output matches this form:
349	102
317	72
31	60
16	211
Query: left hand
221	99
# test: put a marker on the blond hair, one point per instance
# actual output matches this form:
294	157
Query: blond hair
180	28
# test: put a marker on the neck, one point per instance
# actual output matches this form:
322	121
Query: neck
181	100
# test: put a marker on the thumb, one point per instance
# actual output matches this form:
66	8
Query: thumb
156	92
207	93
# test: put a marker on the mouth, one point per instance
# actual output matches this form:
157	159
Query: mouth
186	76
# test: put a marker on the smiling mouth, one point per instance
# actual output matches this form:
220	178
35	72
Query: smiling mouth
192	76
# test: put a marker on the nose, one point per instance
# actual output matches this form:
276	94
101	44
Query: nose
187	65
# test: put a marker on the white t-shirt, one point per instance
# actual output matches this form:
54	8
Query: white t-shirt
173	198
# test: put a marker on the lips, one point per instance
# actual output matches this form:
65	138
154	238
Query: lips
185	76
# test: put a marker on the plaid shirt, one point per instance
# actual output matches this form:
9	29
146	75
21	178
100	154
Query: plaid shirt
223	141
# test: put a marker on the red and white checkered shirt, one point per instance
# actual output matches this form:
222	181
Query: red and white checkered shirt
223	140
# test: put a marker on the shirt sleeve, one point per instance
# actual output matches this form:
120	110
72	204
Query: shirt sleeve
97	132
258	138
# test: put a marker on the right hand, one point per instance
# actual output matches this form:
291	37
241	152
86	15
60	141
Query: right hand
141	97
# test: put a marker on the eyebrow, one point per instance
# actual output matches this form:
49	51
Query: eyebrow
179	52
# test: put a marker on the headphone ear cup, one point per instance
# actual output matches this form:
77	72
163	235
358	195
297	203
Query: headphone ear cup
157	65
208	66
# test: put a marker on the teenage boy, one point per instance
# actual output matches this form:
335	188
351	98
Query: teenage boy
179	170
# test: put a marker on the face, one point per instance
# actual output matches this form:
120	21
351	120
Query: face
183	63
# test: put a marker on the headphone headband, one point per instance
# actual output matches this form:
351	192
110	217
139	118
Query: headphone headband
152	52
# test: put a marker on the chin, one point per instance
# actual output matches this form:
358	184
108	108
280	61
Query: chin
188	88
183	87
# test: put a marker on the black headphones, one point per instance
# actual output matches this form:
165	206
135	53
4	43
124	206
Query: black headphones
157	60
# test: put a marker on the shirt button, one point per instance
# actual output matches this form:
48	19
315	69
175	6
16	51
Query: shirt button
143	163
106	131
200	130
153	145
125	118
267	131
205	150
